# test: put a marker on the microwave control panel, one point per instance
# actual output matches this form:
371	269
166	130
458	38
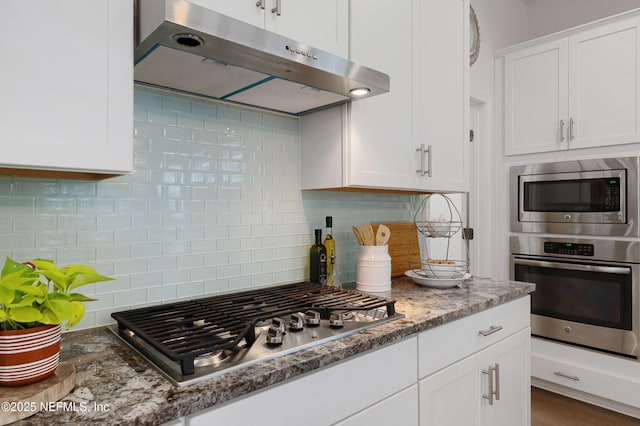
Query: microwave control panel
569	248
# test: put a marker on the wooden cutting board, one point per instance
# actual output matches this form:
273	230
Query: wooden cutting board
403	245
30	397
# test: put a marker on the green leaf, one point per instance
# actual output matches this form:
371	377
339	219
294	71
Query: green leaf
50	317
6	295
77	297
16	279
25	314
78	313
85	279
60	306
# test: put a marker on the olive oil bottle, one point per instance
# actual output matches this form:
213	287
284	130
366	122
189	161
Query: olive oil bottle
318	260
330	246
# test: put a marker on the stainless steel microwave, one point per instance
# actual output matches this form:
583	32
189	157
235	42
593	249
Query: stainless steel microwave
582	197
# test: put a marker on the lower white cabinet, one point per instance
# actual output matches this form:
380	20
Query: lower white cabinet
476	370
601	379
399	409
490	387
331	395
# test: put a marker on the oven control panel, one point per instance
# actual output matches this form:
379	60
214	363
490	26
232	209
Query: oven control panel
568	248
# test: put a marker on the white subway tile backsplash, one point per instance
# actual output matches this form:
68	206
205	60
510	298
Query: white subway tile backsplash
213	205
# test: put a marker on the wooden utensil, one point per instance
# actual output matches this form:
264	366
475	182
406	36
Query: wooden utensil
382	235
367	235
358	237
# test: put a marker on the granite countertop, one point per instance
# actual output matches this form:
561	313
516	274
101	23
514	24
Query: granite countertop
115	386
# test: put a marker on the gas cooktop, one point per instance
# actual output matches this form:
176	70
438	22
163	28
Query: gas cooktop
194	340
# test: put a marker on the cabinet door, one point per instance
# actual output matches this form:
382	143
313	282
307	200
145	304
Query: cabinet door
380	152
512	382
441	99
603	85
323	25
535	92
451	396
248	11
67	104
459	394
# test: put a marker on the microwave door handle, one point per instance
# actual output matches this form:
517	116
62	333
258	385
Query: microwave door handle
573	266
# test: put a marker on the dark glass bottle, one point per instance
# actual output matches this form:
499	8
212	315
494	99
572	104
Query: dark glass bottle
318	260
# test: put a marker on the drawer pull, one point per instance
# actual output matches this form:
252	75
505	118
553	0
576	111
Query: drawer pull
566	376
490	330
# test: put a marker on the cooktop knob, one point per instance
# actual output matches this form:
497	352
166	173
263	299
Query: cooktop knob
335	320
312	318
274	336
278	324
296	322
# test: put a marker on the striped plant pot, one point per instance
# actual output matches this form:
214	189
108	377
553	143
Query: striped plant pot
30	355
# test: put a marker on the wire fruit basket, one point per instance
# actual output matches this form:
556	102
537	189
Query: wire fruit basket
442	270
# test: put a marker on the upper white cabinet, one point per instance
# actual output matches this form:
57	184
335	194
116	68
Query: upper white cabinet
324	25
577	89
67	86
414	138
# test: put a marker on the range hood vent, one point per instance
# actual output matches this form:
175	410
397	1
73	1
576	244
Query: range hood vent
191	49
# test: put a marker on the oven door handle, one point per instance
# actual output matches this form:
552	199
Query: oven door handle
573	266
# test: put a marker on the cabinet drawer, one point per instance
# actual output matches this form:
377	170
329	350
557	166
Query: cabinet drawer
324	396
448	343
597	374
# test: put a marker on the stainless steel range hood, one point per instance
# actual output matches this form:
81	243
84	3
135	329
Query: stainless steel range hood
185	47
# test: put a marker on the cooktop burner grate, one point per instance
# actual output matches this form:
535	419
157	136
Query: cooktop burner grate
183	331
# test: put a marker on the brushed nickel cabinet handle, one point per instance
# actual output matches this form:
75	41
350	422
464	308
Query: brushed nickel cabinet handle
566	376
421	150
429	157
571	123
260	4
561	130
278	9
489	374
496	371
490	330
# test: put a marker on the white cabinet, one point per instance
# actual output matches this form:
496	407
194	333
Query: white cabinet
376	143
67	86
576	90
333	394
490	387
482	377
323	25
399	409
587	375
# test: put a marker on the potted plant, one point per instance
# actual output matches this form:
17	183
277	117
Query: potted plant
36	298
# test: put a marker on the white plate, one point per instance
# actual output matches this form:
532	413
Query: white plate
436	282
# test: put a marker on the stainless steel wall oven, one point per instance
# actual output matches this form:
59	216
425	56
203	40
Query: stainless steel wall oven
585	197
587	290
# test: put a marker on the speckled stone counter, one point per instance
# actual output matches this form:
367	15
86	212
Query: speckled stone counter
115	386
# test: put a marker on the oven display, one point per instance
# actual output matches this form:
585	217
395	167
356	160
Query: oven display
569	248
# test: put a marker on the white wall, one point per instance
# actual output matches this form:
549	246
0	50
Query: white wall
550	16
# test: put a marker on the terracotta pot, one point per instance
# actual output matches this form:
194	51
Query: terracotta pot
30	355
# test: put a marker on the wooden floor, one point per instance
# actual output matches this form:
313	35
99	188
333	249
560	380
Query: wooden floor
550	409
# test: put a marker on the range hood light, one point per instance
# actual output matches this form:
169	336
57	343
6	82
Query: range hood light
359	91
